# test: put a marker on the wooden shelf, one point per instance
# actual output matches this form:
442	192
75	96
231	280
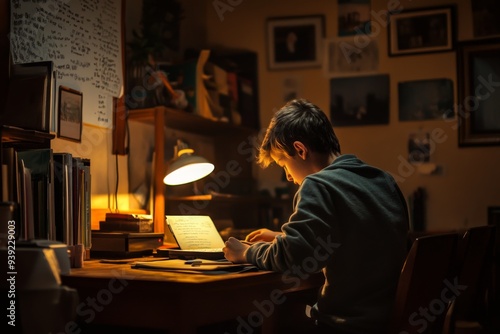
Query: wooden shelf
161	117
185	121
10	134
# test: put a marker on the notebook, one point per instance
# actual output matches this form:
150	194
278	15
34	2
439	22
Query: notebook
196	236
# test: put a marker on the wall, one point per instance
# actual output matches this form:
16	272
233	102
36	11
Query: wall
106	168
458	198
469	183
95	144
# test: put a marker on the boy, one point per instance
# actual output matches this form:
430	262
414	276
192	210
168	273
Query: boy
340	201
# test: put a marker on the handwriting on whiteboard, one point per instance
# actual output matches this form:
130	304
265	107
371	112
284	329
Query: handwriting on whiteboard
82	38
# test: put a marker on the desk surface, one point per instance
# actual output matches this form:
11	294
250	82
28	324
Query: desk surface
115	294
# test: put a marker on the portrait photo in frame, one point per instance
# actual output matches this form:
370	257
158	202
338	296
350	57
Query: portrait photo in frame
424	30
70	114
478	74
295	42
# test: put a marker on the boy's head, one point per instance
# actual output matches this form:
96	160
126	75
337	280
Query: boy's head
298	120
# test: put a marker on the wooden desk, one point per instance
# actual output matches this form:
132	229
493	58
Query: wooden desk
117	295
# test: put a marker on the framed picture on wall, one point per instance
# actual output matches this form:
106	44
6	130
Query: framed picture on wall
425	99
421	31
485	14
478	76
362	100
294	42
354	17
70	114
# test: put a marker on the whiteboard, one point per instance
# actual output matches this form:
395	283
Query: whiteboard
83	40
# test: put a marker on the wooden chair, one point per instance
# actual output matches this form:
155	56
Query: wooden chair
469	313
425	285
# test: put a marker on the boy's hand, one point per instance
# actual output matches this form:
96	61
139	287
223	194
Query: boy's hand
262	234
234	250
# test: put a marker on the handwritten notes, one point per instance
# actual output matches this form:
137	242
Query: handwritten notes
82	38
195	232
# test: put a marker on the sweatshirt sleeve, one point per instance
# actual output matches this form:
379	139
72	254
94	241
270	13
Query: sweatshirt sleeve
307	238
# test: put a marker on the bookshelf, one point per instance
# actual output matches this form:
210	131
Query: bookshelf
52	189
15	141
18	139
225	135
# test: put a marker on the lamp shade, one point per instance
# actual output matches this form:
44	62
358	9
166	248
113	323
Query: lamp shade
186	168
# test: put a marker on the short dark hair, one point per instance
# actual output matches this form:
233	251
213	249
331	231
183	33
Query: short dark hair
298	120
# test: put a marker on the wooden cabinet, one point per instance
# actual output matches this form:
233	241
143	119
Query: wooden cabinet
233	150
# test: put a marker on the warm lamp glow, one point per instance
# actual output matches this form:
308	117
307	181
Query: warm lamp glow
187	167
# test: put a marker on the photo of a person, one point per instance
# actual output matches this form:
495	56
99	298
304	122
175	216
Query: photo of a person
295	41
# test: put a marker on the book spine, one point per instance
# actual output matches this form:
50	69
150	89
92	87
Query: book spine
87	234
127	226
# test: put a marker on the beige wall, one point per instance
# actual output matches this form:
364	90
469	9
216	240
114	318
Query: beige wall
457	198
469	182
96	145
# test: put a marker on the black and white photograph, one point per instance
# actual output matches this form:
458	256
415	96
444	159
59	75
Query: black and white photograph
359	100
425	99
70	114
419	147
421	31
295	42
354	17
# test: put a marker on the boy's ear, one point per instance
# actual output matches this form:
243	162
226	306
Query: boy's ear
300	148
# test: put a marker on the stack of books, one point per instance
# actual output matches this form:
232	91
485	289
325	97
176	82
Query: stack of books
125	235
127	222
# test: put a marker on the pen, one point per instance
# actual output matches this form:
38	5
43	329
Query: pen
195	263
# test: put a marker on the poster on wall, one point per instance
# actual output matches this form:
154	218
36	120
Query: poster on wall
346	57
419	147
485	14
360	100
425	99
83	40
292	88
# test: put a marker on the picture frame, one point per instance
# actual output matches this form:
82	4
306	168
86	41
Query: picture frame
426	99
419	31
70	114
478	110
485	15
359	100
295	42
354	17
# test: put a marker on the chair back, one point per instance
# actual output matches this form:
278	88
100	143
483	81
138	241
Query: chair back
474	269
425	285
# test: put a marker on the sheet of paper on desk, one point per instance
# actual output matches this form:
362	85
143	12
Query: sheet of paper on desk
195	266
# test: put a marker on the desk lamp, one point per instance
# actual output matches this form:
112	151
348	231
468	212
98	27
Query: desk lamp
186	167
